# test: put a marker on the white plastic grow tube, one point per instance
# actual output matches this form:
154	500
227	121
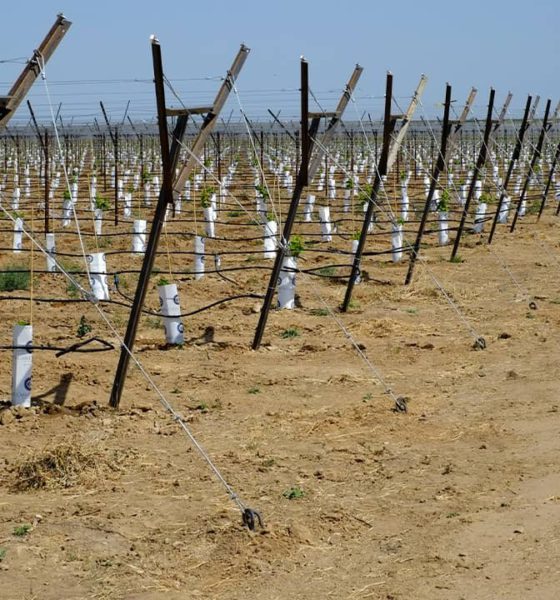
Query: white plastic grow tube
396	242
50	247
170	310
269	240
98	275
404	204
504	210
15	198
127	210
326	225
287	283
443	227
139	236
347	201
209	222
147	194
479	217
308	210
22	366
98	220
199	253
18	235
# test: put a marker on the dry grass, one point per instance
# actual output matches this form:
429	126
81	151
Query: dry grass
67	464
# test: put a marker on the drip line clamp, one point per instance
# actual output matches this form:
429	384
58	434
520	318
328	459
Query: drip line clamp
76	347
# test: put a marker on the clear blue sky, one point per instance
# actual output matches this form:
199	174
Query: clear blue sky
511	45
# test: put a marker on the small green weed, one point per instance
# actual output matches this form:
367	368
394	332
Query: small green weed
320	312
296	246
327	271
83	328
294	493
22	530
534	208
291	332
456	259
14	278
72	290
254	390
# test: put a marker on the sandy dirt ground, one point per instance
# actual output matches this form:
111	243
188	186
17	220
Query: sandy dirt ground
459	498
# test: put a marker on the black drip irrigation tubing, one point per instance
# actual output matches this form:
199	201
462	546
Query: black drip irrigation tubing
116	302
60	351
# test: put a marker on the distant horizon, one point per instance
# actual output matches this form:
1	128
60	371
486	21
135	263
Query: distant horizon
358	128
106	55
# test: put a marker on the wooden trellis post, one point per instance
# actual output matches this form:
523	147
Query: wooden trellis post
536	155
32	69
169	190
480	162
549	182
448	140
525	123
307	169
115	139
389	152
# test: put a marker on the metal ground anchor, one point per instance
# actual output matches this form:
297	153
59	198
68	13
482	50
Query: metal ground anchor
249	516
480	343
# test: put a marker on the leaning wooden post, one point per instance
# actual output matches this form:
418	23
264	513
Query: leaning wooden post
47	184
169	159
219	153
389	152
301	182
169	189
33	67
513	161
308	168
536	156
481	160
388	126
116	141
552	169
549	182
450	142
438	168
